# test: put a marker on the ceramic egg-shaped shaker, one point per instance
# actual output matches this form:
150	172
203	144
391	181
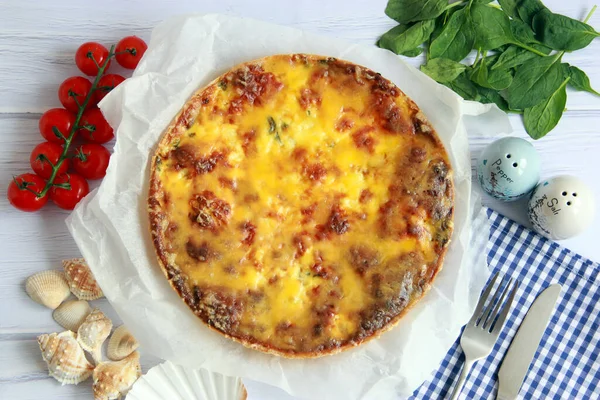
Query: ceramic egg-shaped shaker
561	207
509	168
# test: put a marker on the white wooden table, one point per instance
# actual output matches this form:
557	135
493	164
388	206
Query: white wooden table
37	43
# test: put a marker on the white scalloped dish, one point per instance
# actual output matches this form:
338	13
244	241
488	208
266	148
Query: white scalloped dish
168	381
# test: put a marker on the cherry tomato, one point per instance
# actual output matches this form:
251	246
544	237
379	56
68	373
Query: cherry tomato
75	87
87	53
106	84
68	198
91	161
129	51
51	152
58	118
95	128
19	195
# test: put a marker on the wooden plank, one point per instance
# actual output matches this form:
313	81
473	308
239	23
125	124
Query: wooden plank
37	44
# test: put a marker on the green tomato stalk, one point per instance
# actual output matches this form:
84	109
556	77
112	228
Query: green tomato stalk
68	139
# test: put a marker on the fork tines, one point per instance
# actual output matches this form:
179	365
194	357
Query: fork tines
492	317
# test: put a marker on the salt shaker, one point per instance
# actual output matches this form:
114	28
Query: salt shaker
561	207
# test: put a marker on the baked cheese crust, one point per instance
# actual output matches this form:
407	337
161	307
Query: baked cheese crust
300	204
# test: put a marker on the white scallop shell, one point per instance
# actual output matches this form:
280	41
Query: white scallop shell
93	332
48	288
112	379
170	381
65	359
121	344
81	280
71	314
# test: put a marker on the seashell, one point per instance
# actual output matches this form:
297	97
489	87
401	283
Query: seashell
93	332
81	280
71	314
121	344
65	359
112	379
48	288
170	381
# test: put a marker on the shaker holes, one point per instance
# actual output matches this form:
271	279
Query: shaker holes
564	193
508	156
515	165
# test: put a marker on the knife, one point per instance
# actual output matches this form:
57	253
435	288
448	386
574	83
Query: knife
525	343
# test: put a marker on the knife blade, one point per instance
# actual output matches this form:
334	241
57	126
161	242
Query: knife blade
525	343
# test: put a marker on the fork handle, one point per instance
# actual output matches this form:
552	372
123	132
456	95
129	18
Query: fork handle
462	379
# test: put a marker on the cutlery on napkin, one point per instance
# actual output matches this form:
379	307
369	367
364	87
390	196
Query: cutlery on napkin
525	343
482	331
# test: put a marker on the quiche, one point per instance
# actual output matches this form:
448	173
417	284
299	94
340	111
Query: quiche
300	204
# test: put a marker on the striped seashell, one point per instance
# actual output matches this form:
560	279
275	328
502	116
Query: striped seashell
81	280
48	288
93	332
71	314
121	344
113	379
65	359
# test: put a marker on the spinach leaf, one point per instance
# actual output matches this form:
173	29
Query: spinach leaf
512	57
443	70
440	22
456	39
415	10
542	118
522	32
541	48
491	60
492	27
562	33
413	52
405	38
487	96
479	73
502	48
499	78
534	81
486	76
527	9
510	8
580	81
464	87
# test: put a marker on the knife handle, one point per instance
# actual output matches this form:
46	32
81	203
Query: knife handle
462	379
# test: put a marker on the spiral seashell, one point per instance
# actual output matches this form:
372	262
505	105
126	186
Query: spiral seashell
71	314
48	288
112	379
93	332
65	359
81	280
121	344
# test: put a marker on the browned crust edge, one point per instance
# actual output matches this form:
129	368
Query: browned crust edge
188	114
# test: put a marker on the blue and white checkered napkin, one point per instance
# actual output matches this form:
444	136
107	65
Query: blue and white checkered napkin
567	362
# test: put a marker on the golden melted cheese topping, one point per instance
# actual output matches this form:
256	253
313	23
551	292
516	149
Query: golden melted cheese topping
301	204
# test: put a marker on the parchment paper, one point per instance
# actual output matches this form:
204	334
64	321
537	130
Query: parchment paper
110	225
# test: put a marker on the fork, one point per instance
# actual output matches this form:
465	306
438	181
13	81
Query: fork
484	327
